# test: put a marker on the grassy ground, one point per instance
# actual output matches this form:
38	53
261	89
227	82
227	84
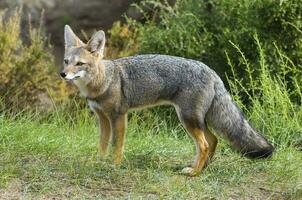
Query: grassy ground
56	157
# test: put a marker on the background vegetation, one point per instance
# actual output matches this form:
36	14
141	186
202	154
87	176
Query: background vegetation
28	77
205	30
256	44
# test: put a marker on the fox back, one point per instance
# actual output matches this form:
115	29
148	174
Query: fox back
153	79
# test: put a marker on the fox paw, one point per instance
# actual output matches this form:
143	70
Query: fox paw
189	171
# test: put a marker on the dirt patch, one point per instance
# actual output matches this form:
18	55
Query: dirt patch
12	191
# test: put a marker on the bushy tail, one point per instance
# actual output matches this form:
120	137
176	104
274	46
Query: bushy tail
227	119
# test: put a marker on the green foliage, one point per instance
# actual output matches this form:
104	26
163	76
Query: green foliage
275	98
122	41
203	30
54	155
27	71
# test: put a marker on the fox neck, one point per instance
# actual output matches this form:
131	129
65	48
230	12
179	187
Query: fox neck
99	81
82	86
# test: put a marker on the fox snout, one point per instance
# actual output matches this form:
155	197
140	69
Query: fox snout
63	74
72	73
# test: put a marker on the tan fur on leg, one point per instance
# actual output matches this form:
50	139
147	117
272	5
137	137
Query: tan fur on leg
105	134
202	149
118	128
212	141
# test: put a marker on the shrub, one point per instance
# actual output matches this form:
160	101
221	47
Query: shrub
122	41
27	74
203	30
275	108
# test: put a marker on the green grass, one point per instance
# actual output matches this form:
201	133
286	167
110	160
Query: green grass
56	157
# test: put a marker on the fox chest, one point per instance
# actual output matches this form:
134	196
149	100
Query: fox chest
94	106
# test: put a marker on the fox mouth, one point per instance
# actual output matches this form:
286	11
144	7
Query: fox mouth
74	76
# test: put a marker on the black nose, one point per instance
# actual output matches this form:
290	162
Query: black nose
63	75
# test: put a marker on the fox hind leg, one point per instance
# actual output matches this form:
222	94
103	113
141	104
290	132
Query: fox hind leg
196	129
212	141
202	149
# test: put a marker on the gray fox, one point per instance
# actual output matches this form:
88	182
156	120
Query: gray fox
112	87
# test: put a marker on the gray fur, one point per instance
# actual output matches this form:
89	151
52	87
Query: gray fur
195	90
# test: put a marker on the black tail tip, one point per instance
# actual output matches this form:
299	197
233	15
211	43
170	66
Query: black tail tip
262	153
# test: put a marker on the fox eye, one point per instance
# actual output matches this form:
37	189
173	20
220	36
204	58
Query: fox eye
80	63
65	61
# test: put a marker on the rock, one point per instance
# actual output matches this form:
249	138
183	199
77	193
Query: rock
81	15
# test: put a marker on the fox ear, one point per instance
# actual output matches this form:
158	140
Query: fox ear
96	44
71	40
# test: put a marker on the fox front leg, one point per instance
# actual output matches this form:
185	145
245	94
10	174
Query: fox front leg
119	124
105	134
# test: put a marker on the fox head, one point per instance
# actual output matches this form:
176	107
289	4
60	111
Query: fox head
82	60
